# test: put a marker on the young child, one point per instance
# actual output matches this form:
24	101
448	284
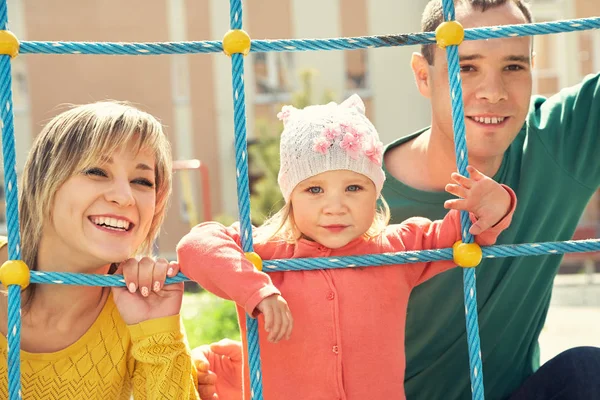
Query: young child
95	187
348	324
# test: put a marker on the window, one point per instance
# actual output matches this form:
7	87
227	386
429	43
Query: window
272	75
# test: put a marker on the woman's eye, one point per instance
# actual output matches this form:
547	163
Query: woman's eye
353	188
315	189
95	172
144	182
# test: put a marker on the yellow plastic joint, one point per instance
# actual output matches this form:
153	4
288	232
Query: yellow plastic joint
466	255
236	41
9	44
14	272
449	33
254	259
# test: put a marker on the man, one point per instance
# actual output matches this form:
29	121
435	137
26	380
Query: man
547	151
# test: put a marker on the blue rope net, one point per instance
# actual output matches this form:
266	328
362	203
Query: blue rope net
237	67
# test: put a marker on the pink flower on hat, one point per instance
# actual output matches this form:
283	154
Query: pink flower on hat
352	143
373	150
284	114
350	128
321	144
331	131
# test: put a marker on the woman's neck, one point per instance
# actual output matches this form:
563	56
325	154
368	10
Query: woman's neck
62	305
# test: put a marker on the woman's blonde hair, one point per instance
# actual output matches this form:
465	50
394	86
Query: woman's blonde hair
72	142
281	225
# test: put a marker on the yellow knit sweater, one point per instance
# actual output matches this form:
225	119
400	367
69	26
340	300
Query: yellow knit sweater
111	361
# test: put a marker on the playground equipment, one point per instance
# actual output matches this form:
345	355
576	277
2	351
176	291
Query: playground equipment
184	167
236	44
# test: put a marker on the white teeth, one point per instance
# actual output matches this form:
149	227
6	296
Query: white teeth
111	223
489	120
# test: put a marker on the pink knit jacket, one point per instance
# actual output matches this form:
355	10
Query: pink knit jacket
348	336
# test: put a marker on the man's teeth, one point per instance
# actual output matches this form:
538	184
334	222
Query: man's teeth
488	120
111	223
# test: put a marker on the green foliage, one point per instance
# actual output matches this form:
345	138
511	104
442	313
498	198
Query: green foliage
208	318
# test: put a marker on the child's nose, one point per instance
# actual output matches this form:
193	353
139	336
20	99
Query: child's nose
334	205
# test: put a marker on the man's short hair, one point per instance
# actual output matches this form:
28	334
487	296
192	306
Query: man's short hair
433	16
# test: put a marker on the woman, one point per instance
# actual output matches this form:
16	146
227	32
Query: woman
94	193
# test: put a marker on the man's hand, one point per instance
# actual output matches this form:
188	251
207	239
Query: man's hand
219	368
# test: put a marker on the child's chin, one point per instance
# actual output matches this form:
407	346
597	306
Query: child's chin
337	244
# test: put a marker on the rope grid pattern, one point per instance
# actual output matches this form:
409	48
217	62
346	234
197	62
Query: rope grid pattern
261	46
237	66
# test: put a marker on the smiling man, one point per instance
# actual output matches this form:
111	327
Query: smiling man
547	151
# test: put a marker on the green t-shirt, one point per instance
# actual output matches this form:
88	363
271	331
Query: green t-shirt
554	167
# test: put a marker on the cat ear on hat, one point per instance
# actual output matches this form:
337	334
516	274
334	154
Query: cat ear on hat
354	101
285	113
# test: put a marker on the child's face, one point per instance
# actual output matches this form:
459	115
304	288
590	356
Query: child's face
104	213
334	207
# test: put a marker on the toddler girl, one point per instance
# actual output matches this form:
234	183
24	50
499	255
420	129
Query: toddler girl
348	324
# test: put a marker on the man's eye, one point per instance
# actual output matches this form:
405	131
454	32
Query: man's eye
514	67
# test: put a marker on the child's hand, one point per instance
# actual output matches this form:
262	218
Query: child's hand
219	367
153	299
480	195
278	318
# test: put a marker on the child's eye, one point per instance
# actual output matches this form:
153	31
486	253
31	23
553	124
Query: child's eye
95	172
315	190
354	188
143	182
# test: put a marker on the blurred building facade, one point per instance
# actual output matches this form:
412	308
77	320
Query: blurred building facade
192	95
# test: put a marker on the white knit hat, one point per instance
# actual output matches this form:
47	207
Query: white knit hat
328	137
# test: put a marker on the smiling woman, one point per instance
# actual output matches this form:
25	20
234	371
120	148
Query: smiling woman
94	192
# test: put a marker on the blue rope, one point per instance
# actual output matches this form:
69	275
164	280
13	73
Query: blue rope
243	191
369	260
14	342
71	278
12	215
410	257
462	160
290	45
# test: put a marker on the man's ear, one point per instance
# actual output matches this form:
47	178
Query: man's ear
420	68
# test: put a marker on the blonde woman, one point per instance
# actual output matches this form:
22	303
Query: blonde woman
94	192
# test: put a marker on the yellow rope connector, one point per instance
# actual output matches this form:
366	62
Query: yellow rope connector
449	33
254	259
9	44
466	255
14	272
236	41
